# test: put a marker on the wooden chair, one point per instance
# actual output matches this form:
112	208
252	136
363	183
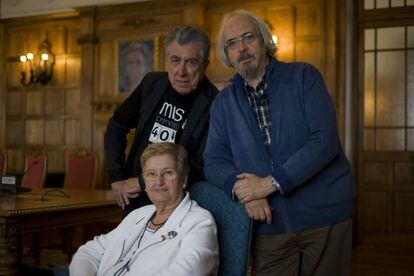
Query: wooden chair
3	163
35	170
81	168
34	178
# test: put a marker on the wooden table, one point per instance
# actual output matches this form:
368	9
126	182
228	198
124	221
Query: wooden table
27	212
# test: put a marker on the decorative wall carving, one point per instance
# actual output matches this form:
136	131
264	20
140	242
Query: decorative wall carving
88	38
139	22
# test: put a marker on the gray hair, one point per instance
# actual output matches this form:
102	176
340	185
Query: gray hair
184	35
177	152
265	33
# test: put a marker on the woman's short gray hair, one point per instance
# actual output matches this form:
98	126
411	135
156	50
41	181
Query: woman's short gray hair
265	33
177	152
187	34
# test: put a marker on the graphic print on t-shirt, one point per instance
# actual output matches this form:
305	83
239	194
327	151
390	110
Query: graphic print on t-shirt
167	122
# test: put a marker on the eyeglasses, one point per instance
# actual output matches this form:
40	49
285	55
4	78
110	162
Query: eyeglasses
166	174
247	38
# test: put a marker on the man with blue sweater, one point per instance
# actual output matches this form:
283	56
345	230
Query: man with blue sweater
273	145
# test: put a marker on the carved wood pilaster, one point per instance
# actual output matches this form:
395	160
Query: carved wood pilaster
88	40
8	252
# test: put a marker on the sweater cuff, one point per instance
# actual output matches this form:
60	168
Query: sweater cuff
115	175
282	179
229	184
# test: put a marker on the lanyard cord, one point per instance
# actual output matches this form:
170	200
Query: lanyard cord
126	265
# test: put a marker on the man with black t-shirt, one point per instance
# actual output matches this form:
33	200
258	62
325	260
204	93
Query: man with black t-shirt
168	106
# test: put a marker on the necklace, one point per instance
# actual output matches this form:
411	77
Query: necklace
157	224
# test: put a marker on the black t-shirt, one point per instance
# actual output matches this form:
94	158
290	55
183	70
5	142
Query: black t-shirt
169	118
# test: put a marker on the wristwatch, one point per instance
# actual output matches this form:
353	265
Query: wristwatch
274	182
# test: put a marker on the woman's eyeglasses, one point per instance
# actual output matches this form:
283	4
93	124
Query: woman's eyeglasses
166	174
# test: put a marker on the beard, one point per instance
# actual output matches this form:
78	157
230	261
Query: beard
249	69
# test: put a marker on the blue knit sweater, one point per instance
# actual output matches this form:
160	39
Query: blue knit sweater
306	157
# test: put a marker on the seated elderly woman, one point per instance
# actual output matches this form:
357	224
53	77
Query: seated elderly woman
174	236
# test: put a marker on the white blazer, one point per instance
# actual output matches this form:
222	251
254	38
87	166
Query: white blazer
185	245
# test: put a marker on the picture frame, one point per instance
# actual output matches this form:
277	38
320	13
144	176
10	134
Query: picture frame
134	58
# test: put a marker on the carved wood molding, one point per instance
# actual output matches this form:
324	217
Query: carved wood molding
8	232
88	38
139	22
8	241
107	106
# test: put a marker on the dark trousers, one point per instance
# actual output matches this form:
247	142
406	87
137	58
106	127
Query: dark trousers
321	251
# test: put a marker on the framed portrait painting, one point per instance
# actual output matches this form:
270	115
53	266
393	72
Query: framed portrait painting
134	59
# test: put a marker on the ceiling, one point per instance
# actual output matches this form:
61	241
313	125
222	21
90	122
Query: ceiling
21	8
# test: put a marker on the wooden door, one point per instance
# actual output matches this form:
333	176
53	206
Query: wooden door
386	122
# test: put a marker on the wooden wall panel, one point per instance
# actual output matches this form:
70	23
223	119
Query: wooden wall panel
410	139
34	102
59	71
15	160
281	20
35	132
72	132
369	140
57	38
404	213
36	113
216	71
376	213
17	43
286	52
54	132
73	46
404	175
56	161
73	100
54	102
309	18
13	74
106	72
390	139
15	133
14	103
73	66
33	37
376	174
311	52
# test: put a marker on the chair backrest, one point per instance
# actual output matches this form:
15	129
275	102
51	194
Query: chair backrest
81	170
234	227
3	163
35	170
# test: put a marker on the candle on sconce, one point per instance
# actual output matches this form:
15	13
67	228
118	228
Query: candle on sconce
23	60
30	58
44	57
37	67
